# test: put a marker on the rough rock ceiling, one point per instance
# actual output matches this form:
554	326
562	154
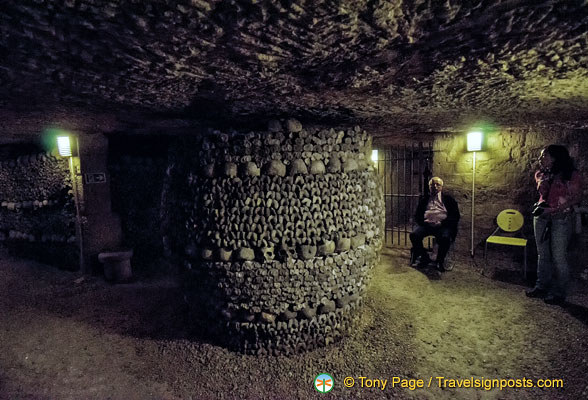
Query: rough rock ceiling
418	64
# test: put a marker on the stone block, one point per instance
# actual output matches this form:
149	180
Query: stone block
298	167
317	167
293	125
209	171
251	169
334	165
287	315
357	240
274	126
327	307
246	253
224	254
308	312
307	252
206	254
343	244
350	164
276	168
328	247
230	169
117	264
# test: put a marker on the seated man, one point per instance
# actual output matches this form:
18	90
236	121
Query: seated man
437	214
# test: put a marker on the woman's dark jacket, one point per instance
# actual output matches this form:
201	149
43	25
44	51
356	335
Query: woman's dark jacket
452	213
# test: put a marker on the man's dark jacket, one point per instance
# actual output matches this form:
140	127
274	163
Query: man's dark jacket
452	213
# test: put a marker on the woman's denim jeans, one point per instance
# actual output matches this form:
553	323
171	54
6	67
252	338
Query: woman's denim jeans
553	271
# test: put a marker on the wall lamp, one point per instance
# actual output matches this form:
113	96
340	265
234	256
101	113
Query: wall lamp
64	146
475	140
474	143
375	156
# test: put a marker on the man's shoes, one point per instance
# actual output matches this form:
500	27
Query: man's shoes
555	300
414	258
439	267
536	293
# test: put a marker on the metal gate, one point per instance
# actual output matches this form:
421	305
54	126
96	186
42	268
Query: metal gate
404	172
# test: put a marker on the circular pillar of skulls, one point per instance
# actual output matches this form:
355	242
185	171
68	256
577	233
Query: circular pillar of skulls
277	232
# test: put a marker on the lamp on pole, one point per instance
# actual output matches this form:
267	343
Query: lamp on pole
64	147
474	143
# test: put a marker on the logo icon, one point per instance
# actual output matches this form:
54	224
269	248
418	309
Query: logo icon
323	383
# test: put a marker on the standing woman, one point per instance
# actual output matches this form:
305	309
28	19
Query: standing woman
560	187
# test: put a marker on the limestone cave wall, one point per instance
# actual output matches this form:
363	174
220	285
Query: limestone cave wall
504	173
277	232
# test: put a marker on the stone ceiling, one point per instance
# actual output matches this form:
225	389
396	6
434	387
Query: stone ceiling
419	65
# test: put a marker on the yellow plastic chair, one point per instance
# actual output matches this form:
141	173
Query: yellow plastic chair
510	223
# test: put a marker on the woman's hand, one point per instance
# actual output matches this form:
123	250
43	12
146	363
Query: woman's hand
543	175
543	180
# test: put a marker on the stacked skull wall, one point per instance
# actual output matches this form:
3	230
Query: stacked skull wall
37	210
278	232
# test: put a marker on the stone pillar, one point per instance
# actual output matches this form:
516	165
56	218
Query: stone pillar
277	232
101	227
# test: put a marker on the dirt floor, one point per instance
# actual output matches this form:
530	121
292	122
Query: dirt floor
65	336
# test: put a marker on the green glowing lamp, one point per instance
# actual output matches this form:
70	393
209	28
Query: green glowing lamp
64	146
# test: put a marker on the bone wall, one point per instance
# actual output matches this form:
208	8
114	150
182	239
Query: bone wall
277	231
37	210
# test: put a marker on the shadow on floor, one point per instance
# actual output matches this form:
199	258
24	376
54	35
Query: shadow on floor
577	311
513	277
152	308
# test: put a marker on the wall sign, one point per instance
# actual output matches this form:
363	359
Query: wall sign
96	177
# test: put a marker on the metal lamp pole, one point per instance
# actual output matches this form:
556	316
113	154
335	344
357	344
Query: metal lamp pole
64	147
473	201
79	232
474	143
